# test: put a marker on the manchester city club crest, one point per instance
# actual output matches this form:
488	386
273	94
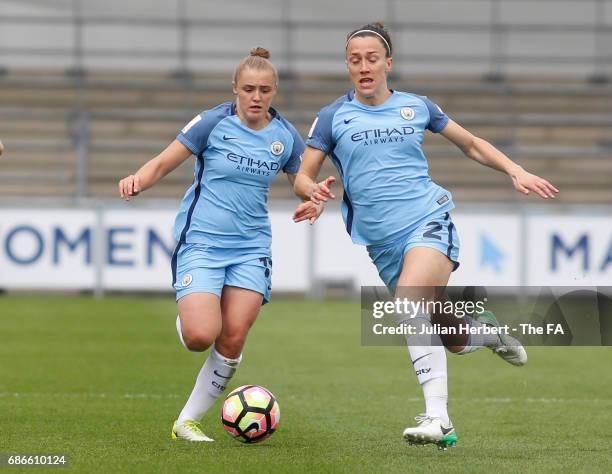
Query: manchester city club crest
407	113
277	148
187	279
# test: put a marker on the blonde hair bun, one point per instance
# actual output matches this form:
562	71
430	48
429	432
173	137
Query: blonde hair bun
260	52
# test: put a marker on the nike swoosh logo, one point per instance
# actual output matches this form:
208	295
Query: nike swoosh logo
419	358
225	137
349	120
446	431
219	375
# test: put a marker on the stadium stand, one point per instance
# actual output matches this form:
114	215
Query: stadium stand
104	126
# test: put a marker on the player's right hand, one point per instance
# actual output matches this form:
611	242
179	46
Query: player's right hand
321	192
308	211
129	187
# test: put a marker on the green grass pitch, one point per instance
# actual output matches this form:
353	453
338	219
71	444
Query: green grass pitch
103	380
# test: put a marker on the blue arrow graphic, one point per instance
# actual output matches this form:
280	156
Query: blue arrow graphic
490	254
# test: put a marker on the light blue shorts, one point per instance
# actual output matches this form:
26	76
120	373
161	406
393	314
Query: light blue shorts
437	232
206	269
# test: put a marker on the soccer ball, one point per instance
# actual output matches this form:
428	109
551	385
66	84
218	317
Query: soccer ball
250	414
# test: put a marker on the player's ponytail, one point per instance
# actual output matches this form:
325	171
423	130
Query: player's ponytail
258	58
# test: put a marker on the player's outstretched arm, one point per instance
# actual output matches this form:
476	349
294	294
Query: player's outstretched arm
153	170
484	153
305	186
1	148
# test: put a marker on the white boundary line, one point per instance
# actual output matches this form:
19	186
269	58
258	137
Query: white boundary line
151	396
163	396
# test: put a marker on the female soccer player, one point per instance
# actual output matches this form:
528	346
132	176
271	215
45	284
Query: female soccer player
374	135
222	263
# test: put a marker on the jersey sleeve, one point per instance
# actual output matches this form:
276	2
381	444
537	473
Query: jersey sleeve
320	134
437	118
195	134
295	158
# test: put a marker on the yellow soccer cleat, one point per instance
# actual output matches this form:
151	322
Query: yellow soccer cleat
189	431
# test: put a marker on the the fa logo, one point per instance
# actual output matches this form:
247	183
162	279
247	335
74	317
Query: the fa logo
277	148
195	120
407	113
187	279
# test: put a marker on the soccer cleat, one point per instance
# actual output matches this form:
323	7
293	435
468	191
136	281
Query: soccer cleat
189	431
510	349
430	430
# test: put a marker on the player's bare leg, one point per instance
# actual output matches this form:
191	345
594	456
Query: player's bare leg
199	320
423	270
239	310
507	347
198	325
206	319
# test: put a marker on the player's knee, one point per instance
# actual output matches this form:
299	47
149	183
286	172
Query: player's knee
231	345
198	341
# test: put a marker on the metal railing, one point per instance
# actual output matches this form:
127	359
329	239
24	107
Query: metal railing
495	28
79	141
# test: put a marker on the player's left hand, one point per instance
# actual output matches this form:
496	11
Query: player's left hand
308	210
524	182
321	192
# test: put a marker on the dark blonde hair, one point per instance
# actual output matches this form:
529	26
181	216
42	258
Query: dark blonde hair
258	58
376	29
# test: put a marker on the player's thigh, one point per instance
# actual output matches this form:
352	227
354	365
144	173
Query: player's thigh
201	320
198	281
239	310
423	267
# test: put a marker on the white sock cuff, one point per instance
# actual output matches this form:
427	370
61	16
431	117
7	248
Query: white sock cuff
223	359
429	362
476	340
403	318
422	314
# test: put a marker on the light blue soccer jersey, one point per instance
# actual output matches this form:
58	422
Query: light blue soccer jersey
377	151
226	206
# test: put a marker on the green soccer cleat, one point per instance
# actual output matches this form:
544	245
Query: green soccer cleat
430	430
510	349
189	431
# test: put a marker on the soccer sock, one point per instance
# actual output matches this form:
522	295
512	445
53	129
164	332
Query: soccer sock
210	384
430	367
429	363
435	392
478	340
179	329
